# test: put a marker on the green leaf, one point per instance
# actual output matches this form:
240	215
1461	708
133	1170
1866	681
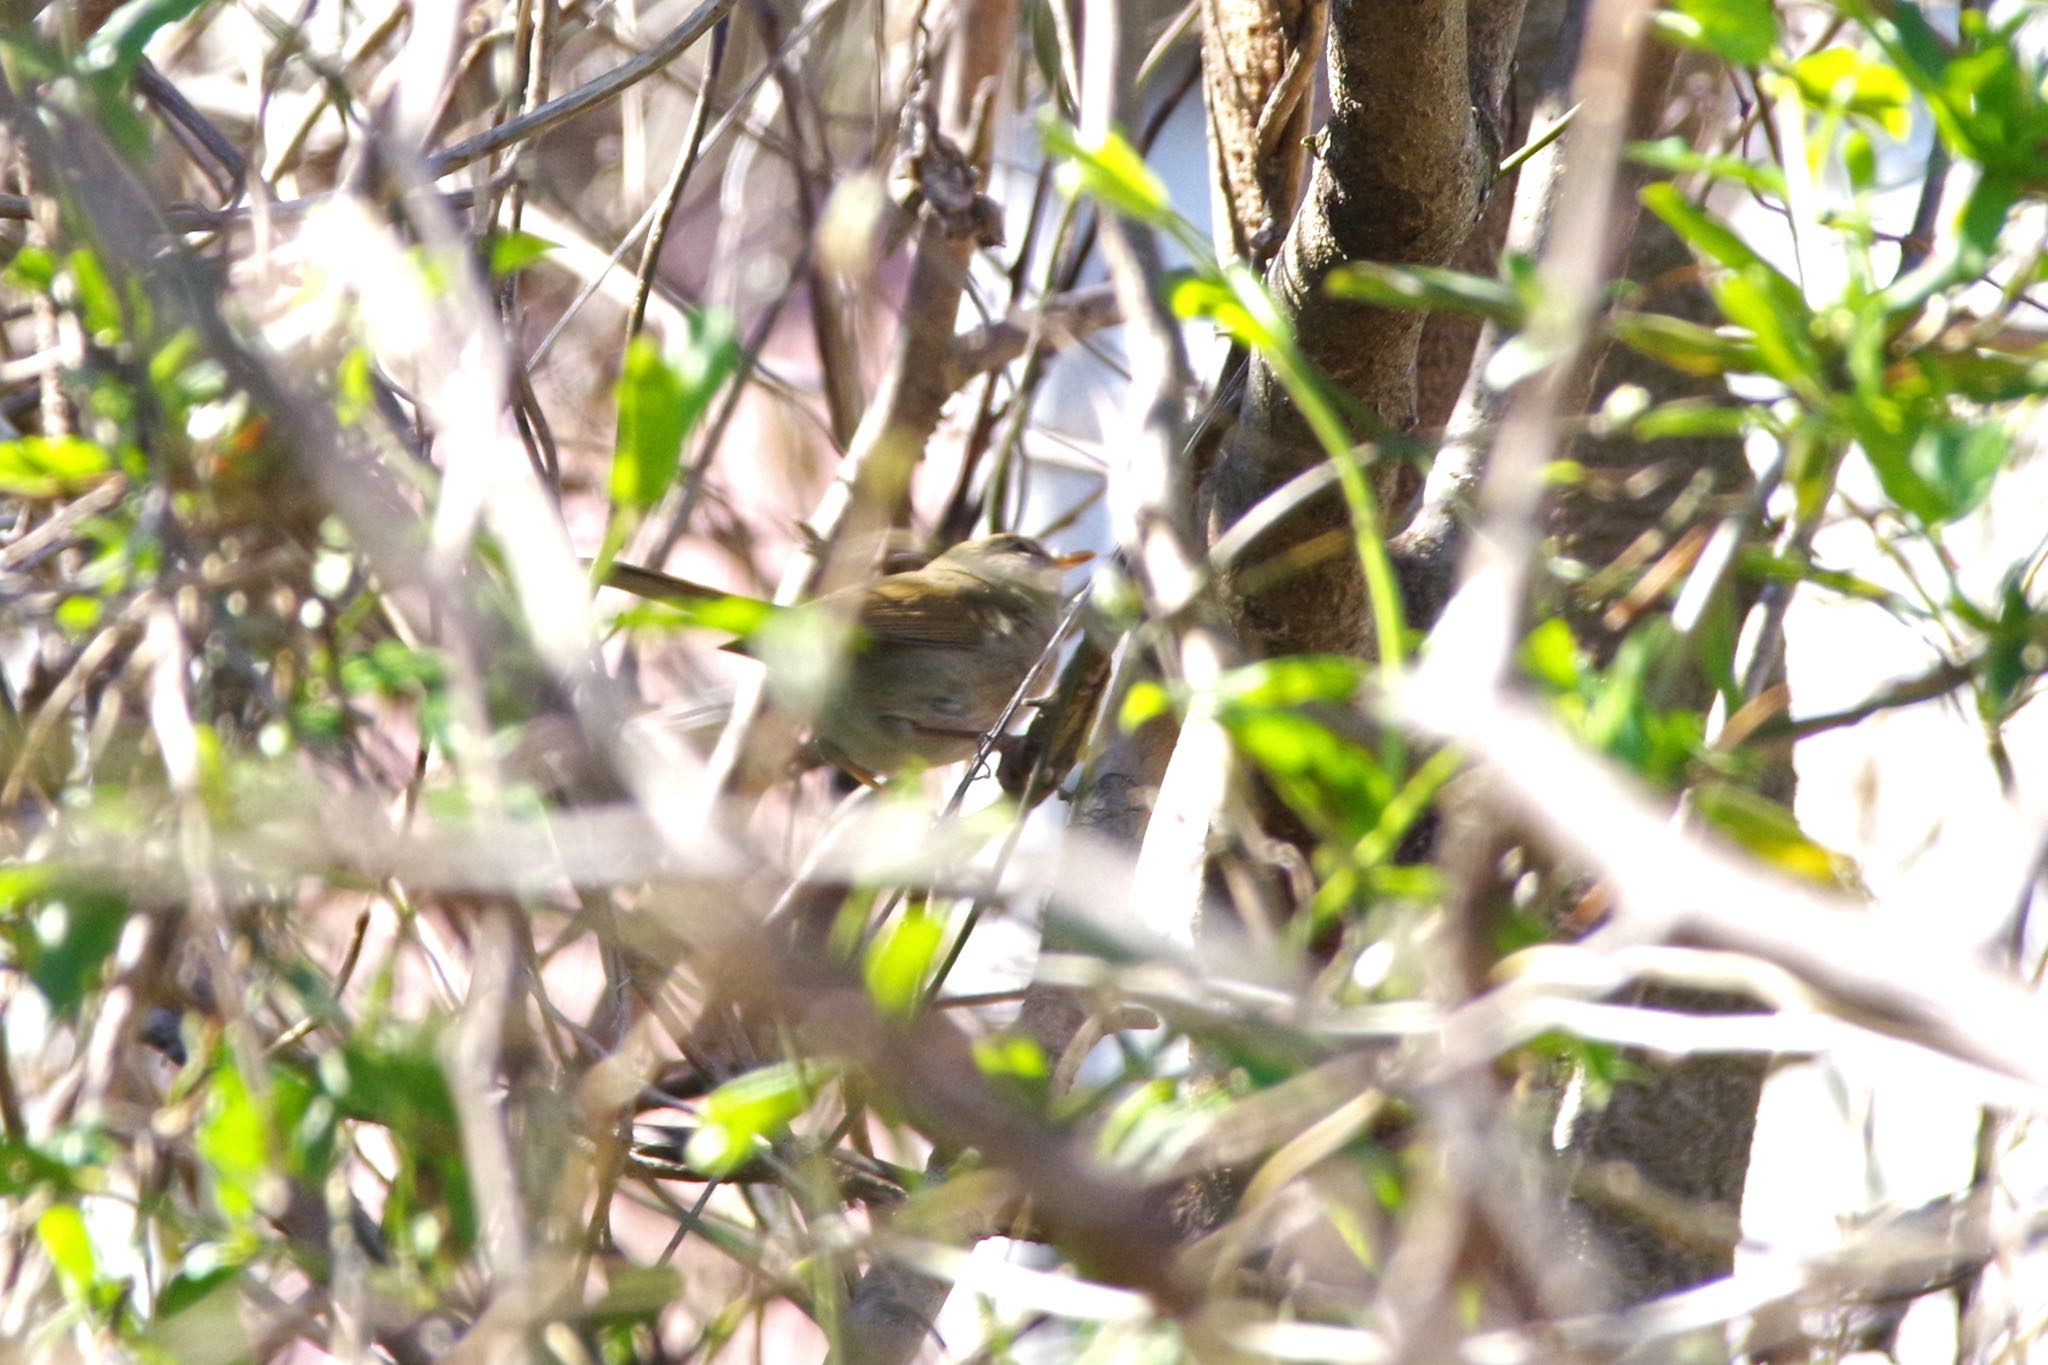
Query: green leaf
749	1110
1957	463
203	1273
234	1139
51	466
651	427
1703	231
745	617
1599	1067
1859	159
1609	709
1424	287
99	304
1520	357
1295	679
1045	54
1982	221
26	1169
392	668
183	375
1685	346
660	401
1235	300
1689	417
1842	78
399	1084
1339	787
1132	1112
1110	171
1985	96
60	930
355	389
1757	561
1922	53
1145	702
512	252
1011	1056
61	1229
1551	656
33	270
1772	832
1675	156
1742	32
900	959
1985	376
119	42
1775	313
78	615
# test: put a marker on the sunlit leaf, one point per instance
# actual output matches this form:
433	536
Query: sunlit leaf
399	1084
900	959
1675	156
749	1110
1703	231
99	302
1742	32
651	427
1685	346
1110	170
1689	418
51	466
735	613
1295	679
1338	786
62	1231
660	401
118	44
1236	301
1146	701
1770	831
1551	656
1840	77
512	252
1011	1055
78	615
1774	311
1436	290
234	1139
33	269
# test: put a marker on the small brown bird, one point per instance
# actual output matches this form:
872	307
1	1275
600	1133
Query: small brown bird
933	658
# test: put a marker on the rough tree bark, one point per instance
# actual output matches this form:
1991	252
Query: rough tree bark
1405	166
1418	119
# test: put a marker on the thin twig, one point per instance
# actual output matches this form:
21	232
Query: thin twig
587	96
678	179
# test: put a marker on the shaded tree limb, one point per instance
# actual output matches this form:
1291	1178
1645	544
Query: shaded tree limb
1407	159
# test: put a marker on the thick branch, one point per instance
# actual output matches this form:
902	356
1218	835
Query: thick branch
1407	160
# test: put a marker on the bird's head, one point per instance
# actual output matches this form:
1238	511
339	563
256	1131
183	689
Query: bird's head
1009	558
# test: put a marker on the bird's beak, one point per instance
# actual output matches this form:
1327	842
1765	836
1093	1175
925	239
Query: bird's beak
1074	560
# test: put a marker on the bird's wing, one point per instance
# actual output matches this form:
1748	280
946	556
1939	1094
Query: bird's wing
911	613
